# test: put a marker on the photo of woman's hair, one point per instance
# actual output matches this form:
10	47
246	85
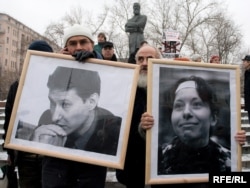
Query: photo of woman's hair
191	137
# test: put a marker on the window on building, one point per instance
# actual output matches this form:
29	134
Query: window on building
7	40
6	62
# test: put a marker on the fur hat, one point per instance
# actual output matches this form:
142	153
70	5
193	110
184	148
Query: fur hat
40	45
76	30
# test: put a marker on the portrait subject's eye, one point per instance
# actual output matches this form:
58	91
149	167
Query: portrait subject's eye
197	104
66	105
178	106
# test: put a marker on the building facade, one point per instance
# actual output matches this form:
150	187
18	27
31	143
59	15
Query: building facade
15	38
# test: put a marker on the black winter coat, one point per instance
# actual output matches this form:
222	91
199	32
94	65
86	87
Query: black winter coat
104	133
247	90
133	174
8	110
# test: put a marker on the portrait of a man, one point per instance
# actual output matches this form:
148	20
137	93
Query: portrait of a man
74	119
74	111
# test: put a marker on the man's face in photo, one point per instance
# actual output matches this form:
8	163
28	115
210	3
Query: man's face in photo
68	110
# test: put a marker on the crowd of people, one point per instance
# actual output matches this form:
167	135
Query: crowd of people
51	172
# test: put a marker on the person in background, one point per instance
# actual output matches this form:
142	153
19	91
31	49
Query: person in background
246	66
79	43
108	52
196	58
29	165
101	39
215	59
133	174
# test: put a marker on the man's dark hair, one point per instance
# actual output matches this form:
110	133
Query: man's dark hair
86	82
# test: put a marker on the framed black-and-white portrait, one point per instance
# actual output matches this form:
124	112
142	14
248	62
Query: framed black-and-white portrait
72	110
196	110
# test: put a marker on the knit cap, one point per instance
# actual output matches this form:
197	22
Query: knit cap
40	45
76	30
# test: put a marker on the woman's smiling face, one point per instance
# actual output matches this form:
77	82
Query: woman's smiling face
191	117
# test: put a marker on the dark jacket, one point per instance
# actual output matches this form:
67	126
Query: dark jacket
101	138
9	105
113	58
67	173
8	110
132	58
178	158
247	90
133	174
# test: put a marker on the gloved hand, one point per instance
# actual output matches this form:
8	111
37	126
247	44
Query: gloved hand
83	55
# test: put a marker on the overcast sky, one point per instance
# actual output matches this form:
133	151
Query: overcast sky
37	14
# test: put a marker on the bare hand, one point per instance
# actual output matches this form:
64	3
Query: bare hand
147	121
50	134
241	137
64	51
